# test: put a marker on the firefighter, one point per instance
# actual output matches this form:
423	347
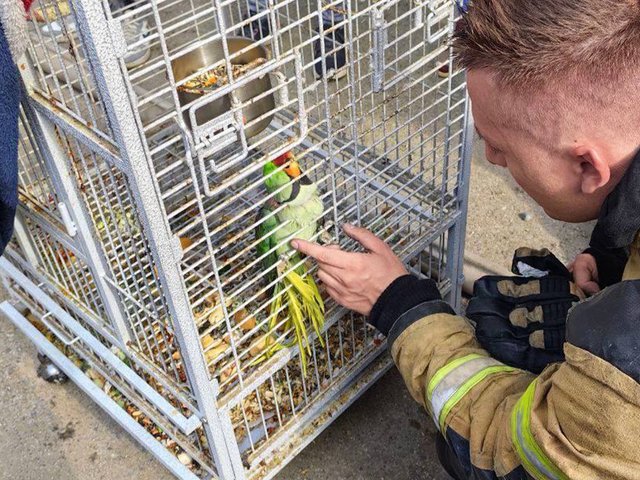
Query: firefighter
539	381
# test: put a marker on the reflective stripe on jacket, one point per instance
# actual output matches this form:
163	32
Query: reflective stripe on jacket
578	419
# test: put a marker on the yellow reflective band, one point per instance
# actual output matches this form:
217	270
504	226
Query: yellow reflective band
466	387
444	371
533	459
453	381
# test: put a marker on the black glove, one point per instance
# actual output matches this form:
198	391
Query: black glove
521	320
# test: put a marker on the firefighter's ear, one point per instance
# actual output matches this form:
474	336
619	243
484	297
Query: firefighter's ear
592	166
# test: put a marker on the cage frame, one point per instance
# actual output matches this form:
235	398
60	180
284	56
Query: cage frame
125	149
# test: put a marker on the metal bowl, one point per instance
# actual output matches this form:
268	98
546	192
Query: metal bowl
209	54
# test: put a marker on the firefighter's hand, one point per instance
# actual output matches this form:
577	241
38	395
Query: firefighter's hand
585	273
355	280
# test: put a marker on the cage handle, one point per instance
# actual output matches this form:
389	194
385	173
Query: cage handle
61	336
227	129
219	133
188	151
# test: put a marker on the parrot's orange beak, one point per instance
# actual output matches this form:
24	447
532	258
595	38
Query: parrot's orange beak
293	169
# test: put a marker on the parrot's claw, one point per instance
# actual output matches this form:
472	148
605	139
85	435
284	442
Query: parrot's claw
282	265
325	238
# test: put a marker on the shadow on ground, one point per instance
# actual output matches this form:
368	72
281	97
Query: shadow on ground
384	435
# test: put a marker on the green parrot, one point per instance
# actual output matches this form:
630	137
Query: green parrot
297	207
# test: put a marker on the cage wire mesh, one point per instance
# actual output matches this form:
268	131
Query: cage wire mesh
151	116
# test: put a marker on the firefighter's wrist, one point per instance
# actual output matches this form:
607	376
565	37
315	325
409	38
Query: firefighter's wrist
399	297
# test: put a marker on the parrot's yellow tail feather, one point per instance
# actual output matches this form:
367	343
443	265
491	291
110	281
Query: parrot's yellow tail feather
304	303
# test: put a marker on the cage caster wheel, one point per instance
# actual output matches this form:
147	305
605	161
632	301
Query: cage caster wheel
48	371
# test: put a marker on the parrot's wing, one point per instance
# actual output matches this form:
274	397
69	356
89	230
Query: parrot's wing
265	238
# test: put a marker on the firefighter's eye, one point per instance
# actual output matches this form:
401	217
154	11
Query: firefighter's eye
492	148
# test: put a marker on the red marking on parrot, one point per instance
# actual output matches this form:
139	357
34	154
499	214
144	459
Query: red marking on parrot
282	159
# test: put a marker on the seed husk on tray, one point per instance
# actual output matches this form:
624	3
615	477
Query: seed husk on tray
282	395
217	77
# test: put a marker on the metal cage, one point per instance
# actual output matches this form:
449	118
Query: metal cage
133	264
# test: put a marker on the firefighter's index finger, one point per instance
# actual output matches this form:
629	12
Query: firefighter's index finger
330	256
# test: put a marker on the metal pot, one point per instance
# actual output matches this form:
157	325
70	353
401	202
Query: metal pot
211	53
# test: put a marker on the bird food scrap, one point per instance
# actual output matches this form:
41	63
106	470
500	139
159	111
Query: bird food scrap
217	77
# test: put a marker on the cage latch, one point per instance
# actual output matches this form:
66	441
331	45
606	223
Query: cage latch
379	33
68	222
437	12
219	134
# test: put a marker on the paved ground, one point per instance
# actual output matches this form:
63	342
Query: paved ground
49	431
54	431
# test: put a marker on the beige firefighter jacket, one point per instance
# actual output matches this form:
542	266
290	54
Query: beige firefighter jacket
579	419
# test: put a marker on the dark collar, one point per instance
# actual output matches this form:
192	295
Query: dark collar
619	218
301	181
